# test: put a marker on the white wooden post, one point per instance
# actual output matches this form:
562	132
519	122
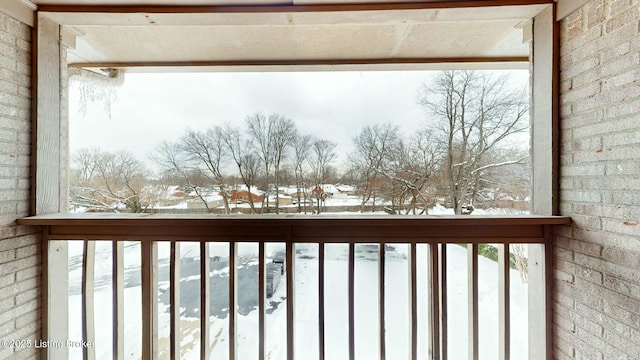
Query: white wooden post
504	302
473	301
118	299
205	296
544	143
47	185
88	303
149	277
175	337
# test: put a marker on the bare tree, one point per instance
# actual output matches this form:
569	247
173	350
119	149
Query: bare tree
425	159
172	159
373	145
473	112
505	187
301	152
84	165
84	188
206	151
260	128
283	134
246	160
323	153
409	169
108	180
272	135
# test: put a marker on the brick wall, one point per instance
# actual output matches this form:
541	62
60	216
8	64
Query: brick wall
597	259
19	246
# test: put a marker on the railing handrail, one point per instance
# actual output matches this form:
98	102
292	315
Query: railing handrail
436	231
423	229
93	218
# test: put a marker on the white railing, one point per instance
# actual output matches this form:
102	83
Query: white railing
434	233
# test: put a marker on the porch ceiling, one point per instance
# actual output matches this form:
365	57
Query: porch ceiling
133	39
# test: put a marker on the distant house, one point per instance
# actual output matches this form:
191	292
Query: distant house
243	196
318	193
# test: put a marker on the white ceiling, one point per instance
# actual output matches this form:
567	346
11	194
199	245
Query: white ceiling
133	39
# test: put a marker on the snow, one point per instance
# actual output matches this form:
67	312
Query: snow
306	306
180	205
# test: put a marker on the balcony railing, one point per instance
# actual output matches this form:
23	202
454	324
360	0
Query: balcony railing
429	235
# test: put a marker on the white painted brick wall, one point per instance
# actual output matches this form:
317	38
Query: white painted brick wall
597	258
20	257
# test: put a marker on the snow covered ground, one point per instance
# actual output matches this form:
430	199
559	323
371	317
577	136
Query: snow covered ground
306	306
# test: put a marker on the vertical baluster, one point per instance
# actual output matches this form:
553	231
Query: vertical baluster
232	300
205	302
434	299
444	305
321	344
88	304
118	299
351	275
149	263
413	285
381	299
290	254
174	302
472	263
539	282
504	301
261	300
55	310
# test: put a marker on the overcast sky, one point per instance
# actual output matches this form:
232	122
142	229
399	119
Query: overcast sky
150	108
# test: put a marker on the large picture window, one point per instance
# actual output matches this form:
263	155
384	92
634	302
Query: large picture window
341	142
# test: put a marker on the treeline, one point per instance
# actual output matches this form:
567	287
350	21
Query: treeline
269	152
464	154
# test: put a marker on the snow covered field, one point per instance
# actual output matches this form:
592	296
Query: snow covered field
306	306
